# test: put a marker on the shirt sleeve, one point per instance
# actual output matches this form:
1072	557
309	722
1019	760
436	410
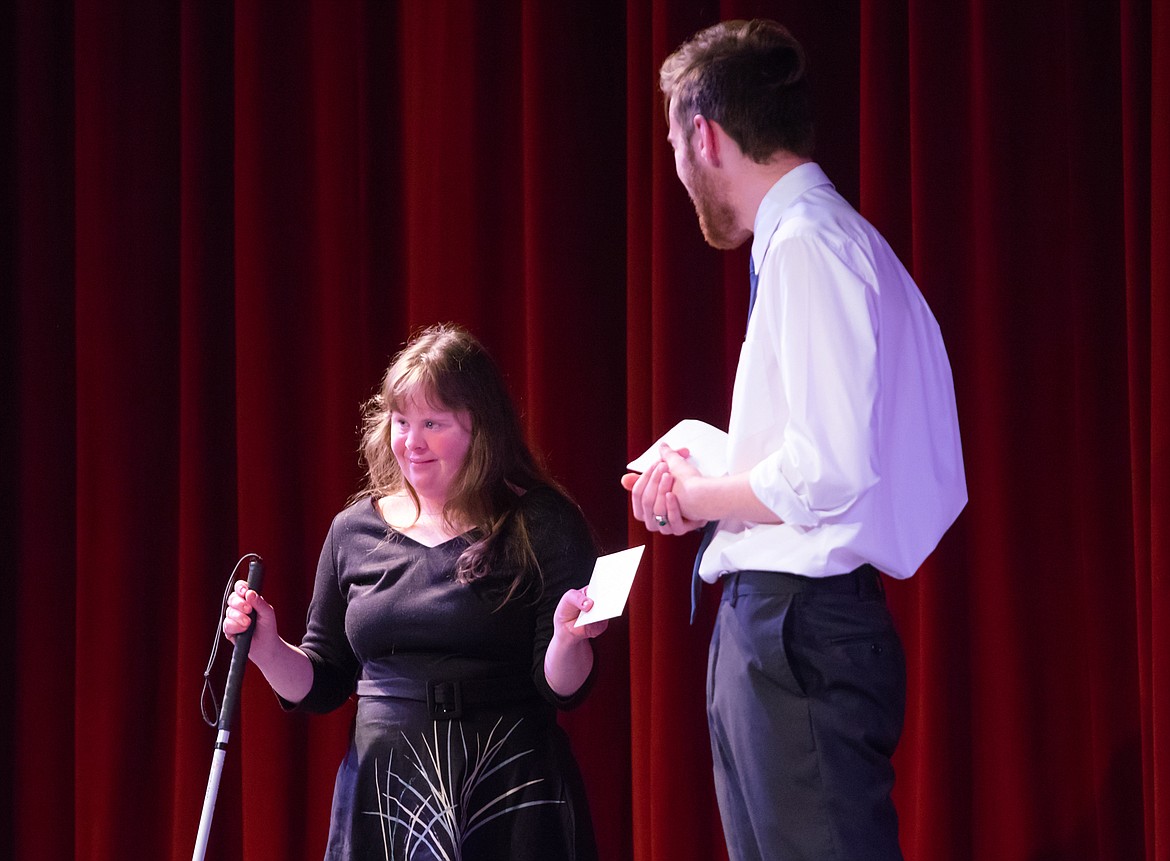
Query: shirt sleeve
335	666
566	552
821	321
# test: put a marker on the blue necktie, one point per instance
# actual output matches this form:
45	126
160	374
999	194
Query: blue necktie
709	529
696	581
754	281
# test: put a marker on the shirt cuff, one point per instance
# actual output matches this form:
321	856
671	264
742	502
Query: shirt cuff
772	488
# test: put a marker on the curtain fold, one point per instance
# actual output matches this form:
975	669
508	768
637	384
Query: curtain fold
40	429
1147	69
224	218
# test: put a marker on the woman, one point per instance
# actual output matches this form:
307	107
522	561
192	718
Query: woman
445	598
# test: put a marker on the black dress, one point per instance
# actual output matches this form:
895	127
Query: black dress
455	751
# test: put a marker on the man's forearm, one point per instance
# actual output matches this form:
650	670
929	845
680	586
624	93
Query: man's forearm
729	496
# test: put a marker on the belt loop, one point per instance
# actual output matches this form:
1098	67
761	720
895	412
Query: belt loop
734	587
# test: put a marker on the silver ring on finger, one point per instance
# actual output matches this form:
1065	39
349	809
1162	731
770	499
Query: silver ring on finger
661	518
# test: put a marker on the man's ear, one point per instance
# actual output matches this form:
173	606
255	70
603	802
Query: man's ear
707	140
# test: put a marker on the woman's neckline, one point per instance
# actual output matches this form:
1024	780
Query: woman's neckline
427	529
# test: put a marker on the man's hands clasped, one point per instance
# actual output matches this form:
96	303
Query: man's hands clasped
660	497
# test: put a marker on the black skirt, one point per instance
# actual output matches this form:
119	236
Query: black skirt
498	783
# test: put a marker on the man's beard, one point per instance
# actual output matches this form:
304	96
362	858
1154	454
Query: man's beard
716	215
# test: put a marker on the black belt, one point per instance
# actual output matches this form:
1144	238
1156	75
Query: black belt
865	582
447	698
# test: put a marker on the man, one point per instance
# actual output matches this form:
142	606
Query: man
844	460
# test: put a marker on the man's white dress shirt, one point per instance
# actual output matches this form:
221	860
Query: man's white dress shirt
843	408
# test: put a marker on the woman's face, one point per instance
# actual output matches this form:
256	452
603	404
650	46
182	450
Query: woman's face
430	445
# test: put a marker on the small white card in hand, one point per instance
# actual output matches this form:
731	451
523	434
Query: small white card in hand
613	575
707	444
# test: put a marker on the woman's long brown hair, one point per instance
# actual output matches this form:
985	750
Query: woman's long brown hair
446	367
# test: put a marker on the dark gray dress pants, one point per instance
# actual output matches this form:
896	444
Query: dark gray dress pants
806	690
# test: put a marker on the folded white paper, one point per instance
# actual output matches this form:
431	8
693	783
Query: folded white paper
613	575
707	444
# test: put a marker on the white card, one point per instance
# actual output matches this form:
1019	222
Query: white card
707	444
613	575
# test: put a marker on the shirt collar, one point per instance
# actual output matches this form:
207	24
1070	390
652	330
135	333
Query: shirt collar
780	196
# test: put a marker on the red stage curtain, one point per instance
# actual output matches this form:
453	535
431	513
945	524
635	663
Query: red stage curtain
223	217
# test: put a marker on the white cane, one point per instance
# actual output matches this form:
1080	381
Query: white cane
231	695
